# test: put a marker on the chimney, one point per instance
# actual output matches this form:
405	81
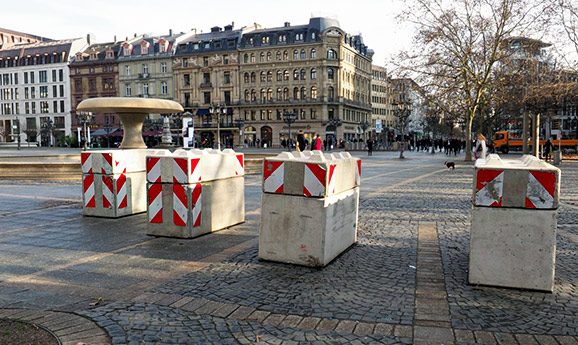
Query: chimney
115	38
287	24
170	32
135	35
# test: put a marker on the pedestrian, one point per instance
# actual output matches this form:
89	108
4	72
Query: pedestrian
481	147
548	149
301	144
316	142
370	147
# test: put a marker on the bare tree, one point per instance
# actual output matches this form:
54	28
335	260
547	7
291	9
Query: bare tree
402	108
458	45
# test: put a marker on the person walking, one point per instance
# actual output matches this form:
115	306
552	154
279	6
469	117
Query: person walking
301	141
316	143
370	147
481	147
548	149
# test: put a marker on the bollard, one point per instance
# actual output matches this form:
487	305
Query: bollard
309	207
114	182
513	234
194	192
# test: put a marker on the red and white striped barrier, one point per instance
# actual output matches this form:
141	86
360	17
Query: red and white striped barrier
110	162
194	166
523	183
109	195
311	174
175	204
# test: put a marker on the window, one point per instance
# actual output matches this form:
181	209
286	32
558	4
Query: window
299	37
127	70
27	107
330	93
185	62
53	75
246	77
62	110
331	54
295	74
253	95
247	96
44	107
268	56
313	74
262	114
313	35
286	94
42	77
31	77
269	114
61	90
253	57
302	74
330	73
164	88
269	94
145	90
26	94
206	78
145	68
246	58
60	75
186	79
227	97
285	55
262	57
278	56
313	52
279	75
263	76
43	91
55	106
127	90
313	114
253	115
265	40
253	77
286	75
33	107
205	61
295	54
25	77
303	54
313	92
54	91
295	93
279	94
303	93
227	77
217	44
302	114
269	76
91	70
283	38
225	59
263	95
207	97
33	92
126	51
163	67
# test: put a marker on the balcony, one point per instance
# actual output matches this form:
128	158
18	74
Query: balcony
206	85
143	75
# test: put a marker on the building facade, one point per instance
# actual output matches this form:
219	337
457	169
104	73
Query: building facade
383	118
315	71
35	91
9	38
94	73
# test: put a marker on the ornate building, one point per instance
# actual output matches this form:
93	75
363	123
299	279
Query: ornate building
9	38
381	105
315	71
35	90
94	73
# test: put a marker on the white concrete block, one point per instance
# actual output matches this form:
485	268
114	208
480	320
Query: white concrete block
117	161
178	210
315	175
307	231
114	196
193	166
513	248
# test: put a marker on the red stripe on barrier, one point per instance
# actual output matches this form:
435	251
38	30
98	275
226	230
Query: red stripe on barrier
154	190
177	219
194	163
151	162
269	168
84	156
198	220
158	218
318	171
331	171
179	191
108	158
196	193
119	184
182	163
359	167
305	191
88	181
547	180
240	159
107	181
485	176
279	190
529	204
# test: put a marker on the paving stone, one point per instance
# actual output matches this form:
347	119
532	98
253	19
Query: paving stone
546	340
433	333
345	326
309	322
526	339
364	328
566	340
384	329
464	336
485	337
403	331
327	325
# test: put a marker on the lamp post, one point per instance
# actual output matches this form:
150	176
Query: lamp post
16	128
239	123
219	110
364	126
184	128
400	110
289	118
335	122
107	128
84	117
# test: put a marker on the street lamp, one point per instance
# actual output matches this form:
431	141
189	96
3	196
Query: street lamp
47	130
239	123
289	118
185	130
84	117
219	110
107	128
16	127
364	126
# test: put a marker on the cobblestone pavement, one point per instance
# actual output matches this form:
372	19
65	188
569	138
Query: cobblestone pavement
390	288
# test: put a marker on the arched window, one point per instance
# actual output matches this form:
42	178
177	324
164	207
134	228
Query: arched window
286	75
286	94
263	76
295	74
252	57
330	73
313	52
331	54
262	57
279	75
263	95
303	93
303	55
269	94
253	77
330	93
313	74
269	76
313	92
313	35
268	56
253	95
246	58
279	94
303	74
295	54
278	56
246	78
295	93
247	96
285	55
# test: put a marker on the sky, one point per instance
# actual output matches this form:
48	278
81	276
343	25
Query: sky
374	19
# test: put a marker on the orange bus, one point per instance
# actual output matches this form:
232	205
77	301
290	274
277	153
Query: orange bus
504	142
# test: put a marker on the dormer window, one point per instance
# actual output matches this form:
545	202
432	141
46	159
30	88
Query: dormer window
313	35
299	37
251	41
79	57
265	40
162	46
144	47
93	55
127	47
283	38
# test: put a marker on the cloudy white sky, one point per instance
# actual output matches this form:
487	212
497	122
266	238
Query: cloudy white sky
374	19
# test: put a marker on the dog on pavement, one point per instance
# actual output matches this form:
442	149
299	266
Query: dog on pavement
450	165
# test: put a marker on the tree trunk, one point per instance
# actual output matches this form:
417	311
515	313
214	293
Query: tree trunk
525	149
536	135
469	139
401	156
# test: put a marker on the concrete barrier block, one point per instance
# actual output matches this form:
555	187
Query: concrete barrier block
191	210
307	231
193	166
513	248
314	175
114	196
519	183
117	161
